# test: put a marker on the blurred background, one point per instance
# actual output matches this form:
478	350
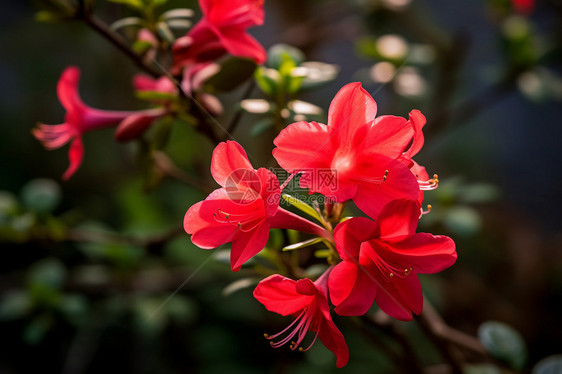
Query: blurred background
90	264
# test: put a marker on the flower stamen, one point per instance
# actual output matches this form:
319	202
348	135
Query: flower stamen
429	184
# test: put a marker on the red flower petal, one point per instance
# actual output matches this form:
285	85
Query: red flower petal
417	121
67	89
352	288
349	235
387	135
400	297
400	183
351	108
427	253
398	219
229	158
238	42
279	295
304	145
247	244
75	156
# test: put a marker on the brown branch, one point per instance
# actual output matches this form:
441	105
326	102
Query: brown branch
167	166
114	38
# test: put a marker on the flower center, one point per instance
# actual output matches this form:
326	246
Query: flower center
300	326
390	269
245	222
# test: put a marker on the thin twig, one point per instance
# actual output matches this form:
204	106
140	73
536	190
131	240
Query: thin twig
115	39
236	118
167	166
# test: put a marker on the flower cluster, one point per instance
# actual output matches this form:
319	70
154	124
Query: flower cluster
374	259
221	31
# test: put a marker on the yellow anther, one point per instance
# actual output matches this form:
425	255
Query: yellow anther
266	336
391	275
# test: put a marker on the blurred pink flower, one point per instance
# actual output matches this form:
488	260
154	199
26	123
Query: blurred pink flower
80	118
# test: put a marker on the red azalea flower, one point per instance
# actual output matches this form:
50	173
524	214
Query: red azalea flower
81	118
221	30
524	6
145	83
381	260
308	302
243	210
356	156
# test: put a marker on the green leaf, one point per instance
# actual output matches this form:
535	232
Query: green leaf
549	365
268	80
318	74
162	132
262	126
504	343
463	220
50	272
239	284
232	73
41	195
165	32
141	46
155	96
134	4
478	193
179	24
257	106
302	244
127	22
481	369
322	253
15	304
177	13
302	206
275	55
50	17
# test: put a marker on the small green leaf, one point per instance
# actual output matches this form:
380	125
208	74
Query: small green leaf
127	22
50	17
162	132
50	272
134	4
504	343
481	369
155	96
318	74
239	284
141	46
165	32
322	253
179	24
255	106
302	244
233	72
549	365
177	13
262	126
275	55
268	80
41	195
463	220
302	206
